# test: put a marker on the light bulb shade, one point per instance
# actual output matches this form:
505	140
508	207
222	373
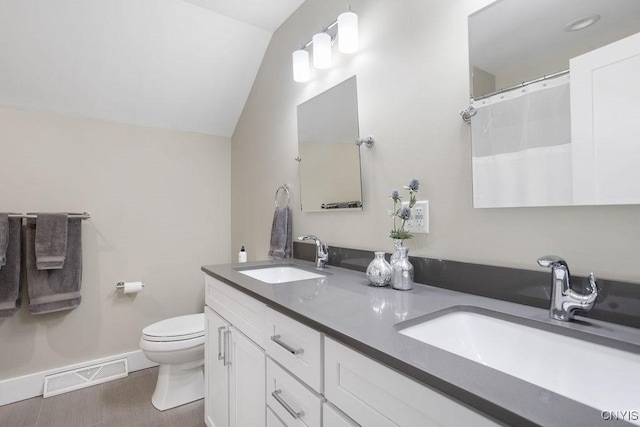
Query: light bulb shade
300	60
348	32
321	50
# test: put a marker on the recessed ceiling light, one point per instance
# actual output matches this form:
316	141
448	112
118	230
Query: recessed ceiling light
582	23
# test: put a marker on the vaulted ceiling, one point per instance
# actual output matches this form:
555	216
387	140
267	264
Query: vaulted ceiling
174	64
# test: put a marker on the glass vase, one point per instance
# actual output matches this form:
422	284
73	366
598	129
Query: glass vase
379	271
395	256
402	276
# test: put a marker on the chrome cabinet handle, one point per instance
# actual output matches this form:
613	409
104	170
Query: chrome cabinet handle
220	351
285	405
227	348
276	339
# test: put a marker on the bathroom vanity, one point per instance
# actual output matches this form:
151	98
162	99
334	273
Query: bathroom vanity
332	351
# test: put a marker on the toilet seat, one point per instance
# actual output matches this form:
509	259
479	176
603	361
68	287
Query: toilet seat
181	328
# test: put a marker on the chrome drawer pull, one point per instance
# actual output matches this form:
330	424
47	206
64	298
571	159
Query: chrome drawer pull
285	405
276	339
226	360
220	351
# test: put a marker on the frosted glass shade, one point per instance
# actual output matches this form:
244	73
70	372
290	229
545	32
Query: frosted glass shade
321	50
348	32
300	60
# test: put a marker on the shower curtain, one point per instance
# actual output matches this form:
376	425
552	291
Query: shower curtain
521	147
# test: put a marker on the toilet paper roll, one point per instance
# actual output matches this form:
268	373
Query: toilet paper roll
133	287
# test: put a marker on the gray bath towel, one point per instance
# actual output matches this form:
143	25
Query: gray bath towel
54	290
51	240
10	273
4	238
281	233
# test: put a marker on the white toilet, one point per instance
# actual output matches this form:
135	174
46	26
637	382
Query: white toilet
177	345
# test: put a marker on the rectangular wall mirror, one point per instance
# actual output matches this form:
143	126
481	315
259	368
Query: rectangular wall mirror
554	89
329	159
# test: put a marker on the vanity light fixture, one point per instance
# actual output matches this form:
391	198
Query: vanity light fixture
321	50
348	32
300	65
347	35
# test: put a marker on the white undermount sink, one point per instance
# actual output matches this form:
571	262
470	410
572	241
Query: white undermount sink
280	274
605	378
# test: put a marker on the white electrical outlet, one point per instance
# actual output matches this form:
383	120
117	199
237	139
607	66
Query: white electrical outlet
419	221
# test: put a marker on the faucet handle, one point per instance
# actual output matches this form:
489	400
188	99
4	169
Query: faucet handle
551	261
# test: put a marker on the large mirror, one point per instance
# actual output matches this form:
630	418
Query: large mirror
328	156
548	80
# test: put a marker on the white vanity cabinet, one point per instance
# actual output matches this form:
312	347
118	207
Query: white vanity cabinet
302	377
234	364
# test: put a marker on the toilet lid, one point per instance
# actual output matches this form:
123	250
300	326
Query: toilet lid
176	328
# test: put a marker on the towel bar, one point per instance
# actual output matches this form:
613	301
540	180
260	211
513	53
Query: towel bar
83	215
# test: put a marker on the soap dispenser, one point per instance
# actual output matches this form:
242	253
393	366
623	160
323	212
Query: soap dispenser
242	255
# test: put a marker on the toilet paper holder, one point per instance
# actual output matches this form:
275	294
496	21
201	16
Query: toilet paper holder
121	286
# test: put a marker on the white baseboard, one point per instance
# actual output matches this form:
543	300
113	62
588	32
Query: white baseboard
32	385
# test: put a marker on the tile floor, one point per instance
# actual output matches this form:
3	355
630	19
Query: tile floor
122	403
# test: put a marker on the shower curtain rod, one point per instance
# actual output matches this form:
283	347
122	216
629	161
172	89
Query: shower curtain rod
83	215
523	84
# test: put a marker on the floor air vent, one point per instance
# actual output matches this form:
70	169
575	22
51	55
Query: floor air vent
84	377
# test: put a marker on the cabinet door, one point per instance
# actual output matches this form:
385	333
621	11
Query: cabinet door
605	125
216	392
247	382
244	312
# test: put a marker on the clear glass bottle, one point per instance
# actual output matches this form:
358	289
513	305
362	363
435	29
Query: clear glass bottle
402	277
379	270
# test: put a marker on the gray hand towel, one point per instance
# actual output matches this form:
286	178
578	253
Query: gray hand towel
51	240
10	273
281	233
54	290
4	238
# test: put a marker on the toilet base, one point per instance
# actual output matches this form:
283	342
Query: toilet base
178	384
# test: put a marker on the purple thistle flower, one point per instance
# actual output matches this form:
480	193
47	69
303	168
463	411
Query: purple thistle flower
404	214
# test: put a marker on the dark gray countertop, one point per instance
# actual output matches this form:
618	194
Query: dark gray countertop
344	307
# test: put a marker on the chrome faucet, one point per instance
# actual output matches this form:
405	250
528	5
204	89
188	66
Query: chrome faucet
322	250
564	300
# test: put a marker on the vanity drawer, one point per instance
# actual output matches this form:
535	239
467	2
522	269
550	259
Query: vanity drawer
290	400
273	420
296	347
242	311
374	395
333	417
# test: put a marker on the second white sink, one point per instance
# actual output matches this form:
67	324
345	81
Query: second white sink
602	377
280	274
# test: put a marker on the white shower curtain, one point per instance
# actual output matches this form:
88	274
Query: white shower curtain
521	147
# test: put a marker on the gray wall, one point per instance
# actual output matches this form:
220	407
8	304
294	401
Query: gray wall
412	71
159	202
